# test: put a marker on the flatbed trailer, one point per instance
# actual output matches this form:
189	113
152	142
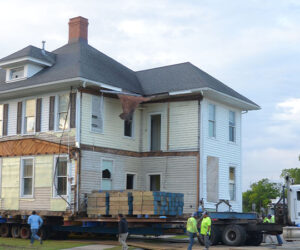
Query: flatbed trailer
228	228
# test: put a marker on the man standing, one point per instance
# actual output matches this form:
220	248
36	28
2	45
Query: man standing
272	220
192	230
205	229
123	231
35	223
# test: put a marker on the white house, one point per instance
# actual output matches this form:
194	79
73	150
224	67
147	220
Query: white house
61	135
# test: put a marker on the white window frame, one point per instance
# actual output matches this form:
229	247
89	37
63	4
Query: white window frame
161	129
149	183
54	192
56	113
214	121
1	120
22	177
8	74
134	180
92	129
24	132
232	182
233	126
132	128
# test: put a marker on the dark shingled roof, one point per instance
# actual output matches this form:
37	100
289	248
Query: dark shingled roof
31	51
79	59
182	76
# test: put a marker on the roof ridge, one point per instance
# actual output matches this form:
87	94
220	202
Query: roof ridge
165	66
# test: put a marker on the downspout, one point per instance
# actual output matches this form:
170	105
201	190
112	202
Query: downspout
198	156
168	127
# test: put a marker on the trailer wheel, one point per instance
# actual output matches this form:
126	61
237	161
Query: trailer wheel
254	239
15	231
234	235
25	232
5	230
215	236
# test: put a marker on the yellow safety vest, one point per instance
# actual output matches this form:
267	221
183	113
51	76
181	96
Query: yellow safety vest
191	225
206	222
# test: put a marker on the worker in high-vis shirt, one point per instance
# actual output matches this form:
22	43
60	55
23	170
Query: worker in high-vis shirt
192	230
205	229
272	220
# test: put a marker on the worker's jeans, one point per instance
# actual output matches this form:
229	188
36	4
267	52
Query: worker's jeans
122	240
192	236
205	239
34	235
279	240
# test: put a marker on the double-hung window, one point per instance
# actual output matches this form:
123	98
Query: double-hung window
63	117
30	116
16	73
231	126
27	177
61	175
212	120
97	114
1	120
232	184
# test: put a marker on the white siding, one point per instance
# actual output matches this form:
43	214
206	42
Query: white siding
229	153
113	131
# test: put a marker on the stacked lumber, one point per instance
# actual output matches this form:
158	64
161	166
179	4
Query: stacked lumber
98	204
135	203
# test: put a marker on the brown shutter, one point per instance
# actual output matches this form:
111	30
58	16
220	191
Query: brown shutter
5	118
19	118
38	117
72	110
51	112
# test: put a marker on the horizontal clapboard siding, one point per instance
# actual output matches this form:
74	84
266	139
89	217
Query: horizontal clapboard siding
41	201
229	153
113	130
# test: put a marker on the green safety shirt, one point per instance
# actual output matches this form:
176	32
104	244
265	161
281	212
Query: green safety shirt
266	220
272	219
191	225
206	222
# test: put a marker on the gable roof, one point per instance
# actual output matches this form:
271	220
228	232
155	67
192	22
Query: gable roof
79	59
31	51
182	76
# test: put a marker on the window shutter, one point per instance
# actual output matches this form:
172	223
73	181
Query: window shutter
19	118
51	112
72	110
38	117
5	118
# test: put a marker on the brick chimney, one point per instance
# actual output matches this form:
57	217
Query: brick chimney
78	29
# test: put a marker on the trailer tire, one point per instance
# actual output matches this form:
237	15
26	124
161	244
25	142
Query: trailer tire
25	232
15	231
254	239
215	236
5	230
234	235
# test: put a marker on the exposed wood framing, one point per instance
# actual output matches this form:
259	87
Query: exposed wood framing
137	154
30	146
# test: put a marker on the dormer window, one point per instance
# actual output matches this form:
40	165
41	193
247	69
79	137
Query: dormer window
16	73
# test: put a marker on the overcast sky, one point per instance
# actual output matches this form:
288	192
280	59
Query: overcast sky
252	46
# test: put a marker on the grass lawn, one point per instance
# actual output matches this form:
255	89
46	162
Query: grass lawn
120	248
180	237
10	243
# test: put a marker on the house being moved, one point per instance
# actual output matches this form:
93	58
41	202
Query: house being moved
61	135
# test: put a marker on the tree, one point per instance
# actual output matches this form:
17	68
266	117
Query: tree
260	194
292	172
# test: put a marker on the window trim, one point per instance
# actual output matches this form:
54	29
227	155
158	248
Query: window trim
149	129
22	177
54	191
134	180
23	132
149	183
1	120
234	127
231	182
92	129
8	74
132	129
214	121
